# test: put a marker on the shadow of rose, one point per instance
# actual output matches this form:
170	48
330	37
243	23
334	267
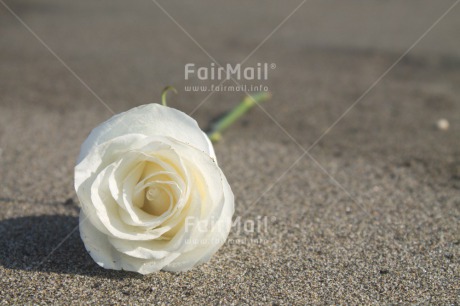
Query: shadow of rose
27	242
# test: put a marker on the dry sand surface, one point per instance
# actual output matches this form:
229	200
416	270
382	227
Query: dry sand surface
369	215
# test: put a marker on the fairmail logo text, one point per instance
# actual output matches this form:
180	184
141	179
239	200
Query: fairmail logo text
228	72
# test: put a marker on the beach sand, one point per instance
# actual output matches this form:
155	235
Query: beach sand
359	208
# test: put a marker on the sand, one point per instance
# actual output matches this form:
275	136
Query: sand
370	215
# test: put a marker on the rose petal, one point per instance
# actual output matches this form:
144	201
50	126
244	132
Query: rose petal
149	120
105	255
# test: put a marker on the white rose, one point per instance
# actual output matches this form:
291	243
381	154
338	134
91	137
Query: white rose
152	195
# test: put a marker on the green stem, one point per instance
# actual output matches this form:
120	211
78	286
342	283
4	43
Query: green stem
165	91
215	133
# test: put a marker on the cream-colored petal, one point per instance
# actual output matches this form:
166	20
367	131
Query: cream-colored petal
149	120
107	212
204	248
105	255
98	245
100	156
